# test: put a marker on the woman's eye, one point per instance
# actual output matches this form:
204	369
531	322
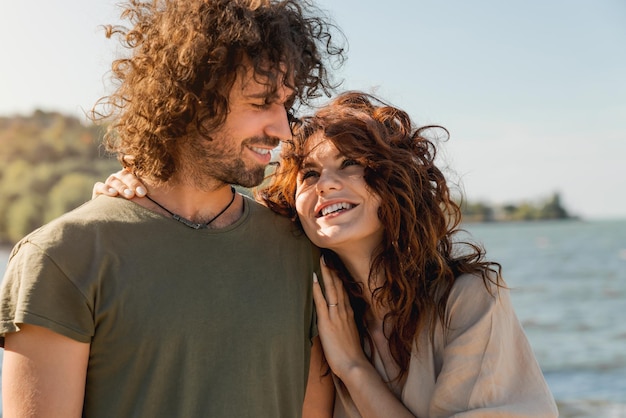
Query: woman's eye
308	175
348	162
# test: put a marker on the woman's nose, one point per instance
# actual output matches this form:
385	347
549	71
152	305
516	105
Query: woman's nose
328	181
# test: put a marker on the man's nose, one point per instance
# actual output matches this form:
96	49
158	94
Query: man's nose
278	124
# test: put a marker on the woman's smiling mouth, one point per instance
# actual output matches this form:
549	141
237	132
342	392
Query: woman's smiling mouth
335	208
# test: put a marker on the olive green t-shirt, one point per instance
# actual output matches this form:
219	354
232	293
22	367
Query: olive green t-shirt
181	322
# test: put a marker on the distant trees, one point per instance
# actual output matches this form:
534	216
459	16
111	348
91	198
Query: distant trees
548	209
477	212
48	165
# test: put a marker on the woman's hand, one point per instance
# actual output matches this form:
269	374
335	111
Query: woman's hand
335	322
122	183
345	356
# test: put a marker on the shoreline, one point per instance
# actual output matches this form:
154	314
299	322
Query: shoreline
590	409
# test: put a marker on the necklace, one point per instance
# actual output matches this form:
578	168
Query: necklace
189	223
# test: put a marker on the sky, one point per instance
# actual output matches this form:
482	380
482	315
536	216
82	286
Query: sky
533	93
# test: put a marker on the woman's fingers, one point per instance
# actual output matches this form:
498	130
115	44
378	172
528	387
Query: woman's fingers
333	287
337	329
123	183
132	182
328	299
318	297
101	188
114	183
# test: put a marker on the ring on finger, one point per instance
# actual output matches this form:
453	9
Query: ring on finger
332	305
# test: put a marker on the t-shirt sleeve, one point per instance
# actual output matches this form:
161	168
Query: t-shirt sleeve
488	367
36	291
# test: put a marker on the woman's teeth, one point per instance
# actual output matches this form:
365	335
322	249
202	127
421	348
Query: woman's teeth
335	207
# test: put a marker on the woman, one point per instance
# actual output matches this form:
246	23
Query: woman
413	321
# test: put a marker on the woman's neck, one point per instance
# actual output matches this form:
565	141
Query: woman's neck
359	265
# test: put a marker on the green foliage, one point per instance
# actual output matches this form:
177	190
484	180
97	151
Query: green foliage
477	212
550	209
23	215
48	165
68	193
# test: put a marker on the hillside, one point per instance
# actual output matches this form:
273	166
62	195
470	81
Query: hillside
549	208
48	165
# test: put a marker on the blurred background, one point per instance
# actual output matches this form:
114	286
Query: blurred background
533	94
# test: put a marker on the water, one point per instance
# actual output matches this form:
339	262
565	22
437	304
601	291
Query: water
568	283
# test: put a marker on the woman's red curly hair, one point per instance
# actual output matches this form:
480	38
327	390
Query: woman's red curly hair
418	258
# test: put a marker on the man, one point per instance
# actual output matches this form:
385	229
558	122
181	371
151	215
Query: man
192	301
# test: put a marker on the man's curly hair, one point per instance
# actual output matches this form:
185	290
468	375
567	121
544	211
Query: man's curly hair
184	58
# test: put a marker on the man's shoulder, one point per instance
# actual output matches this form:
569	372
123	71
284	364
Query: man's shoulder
261	217
79	224
259	210
95	211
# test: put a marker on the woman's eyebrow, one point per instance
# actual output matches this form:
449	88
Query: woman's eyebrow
308	164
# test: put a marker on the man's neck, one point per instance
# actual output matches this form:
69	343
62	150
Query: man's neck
195	205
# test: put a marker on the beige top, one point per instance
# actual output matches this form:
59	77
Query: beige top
481	366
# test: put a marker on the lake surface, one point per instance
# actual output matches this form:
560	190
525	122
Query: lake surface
568	283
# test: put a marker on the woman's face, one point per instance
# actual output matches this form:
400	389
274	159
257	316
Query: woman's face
336	208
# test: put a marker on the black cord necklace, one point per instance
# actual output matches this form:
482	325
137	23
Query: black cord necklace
189	223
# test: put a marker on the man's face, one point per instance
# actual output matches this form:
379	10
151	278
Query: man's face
241	147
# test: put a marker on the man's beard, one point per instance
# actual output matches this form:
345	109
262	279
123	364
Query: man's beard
236	172
219	161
